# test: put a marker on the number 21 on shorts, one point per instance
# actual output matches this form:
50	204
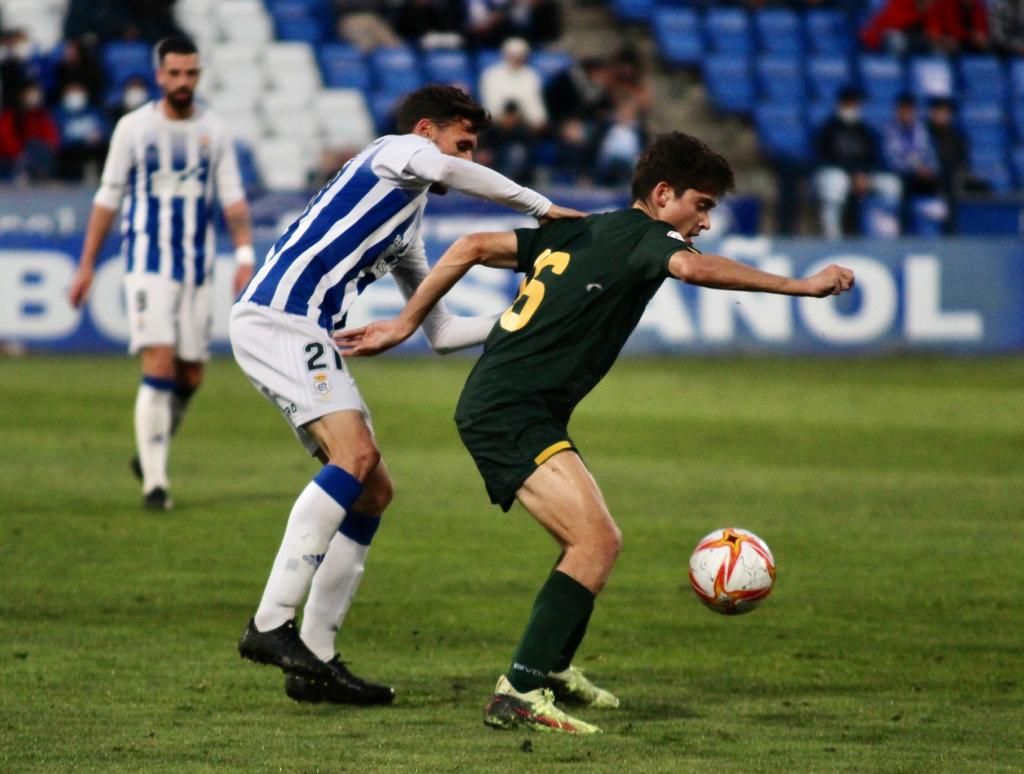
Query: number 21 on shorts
532	292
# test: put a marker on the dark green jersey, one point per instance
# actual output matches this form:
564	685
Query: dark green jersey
588	282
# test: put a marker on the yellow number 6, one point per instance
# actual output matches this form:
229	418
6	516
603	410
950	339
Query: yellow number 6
533	291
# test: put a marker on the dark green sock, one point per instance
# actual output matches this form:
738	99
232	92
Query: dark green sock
561	606
569	649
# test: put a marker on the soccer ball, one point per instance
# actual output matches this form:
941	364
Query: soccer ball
732	570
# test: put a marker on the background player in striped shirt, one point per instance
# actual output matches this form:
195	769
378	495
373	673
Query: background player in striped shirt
362	225
589	283
168	160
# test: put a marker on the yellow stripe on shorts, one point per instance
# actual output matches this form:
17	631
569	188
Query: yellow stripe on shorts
551	451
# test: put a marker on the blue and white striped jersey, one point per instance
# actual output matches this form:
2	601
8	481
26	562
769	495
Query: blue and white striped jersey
364	222
166	174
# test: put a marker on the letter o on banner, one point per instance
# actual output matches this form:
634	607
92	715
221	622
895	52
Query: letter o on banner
877	312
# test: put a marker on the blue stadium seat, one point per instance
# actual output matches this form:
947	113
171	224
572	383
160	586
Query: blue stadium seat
782	132
982	78
984	125
300	28
878	113
633	10
123	59
931	76
1017	78
550	63
994	170
881	76
829	31
779	31
1017	119
729	82
452	66
728	31
485	57
780	78
382	106
827	74
678	37
343	67
395	69
818	112
1017	162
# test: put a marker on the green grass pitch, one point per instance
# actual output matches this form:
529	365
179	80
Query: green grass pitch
891	492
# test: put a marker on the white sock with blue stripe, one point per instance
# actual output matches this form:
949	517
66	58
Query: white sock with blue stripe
314	519
153	430
335	583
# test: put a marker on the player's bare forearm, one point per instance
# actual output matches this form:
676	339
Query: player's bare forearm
716	271
236	215
495	249
100	220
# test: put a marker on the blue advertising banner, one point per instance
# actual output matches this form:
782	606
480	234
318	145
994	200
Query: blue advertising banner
940	295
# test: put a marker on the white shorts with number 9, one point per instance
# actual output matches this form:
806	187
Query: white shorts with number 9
293	362
163	312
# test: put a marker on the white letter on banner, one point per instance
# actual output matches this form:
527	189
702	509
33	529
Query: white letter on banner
769	316
925	320
106	300
877	309
35	285
667	316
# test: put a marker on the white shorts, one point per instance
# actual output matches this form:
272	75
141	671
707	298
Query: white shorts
163	312
294	363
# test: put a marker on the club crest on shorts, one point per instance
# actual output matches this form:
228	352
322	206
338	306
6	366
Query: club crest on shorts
322	383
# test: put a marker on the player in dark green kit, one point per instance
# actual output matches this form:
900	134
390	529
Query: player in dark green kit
587	285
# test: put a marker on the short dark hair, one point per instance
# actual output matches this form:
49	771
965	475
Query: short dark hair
175	44
443	105
682	161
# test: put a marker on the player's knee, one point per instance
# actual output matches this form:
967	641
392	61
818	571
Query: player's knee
377	498
359	460
610	540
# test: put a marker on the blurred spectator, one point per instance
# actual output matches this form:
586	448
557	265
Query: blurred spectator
951	155
364	24
849	167
579	106
20	63
511	143
490	22
148	20
1006	26
512	79
28	136
957	25
630	81
83	135
620	146
77	63
134	94
431	23
903	26
909	153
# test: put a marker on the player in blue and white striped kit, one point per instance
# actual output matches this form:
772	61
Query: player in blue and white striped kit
362	225
169	160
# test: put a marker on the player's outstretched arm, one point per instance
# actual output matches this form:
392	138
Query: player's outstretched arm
716	271
495	249
100	220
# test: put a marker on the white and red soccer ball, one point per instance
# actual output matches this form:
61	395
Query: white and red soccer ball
732	570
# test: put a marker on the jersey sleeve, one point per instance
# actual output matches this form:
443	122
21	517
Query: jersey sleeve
656	247
114	179
229	180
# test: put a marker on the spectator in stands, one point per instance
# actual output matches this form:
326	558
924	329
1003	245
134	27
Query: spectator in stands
579	106
620	146
898	26
431	23
512	79
134	92
29	137
951	155
952	26
1006	26
148	20
849	167
511	145
490	22
364	24
83	135
20	63
909	153
631	82
77	64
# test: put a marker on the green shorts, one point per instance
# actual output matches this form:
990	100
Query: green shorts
508	444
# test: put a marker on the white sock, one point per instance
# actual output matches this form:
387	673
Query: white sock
330	596
312	523
153	431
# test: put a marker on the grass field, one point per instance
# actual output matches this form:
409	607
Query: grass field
891	492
